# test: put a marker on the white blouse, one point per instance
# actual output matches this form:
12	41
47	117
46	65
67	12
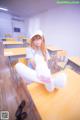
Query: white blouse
30	53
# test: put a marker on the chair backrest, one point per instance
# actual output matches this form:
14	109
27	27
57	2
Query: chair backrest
22	60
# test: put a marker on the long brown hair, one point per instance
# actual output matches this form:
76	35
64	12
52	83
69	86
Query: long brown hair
42	47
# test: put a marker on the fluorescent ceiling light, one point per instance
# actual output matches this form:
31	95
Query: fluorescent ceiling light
4	9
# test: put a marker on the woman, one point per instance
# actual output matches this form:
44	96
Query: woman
37	69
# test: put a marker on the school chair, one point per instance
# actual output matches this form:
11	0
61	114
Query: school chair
22	60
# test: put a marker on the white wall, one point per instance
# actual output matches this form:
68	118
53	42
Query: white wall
31	25
18	24
61	27
26	23
5	24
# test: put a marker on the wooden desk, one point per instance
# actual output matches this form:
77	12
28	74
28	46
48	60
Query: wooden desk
14	51
74	63
53	48
62	104
13	44
75	60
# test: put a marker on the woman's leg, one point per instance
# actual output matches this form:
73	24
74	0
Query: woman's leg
26	73
58	81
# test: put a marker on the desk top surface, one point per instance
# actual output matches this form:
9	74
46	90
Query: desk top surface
14	51
75	59
57	104
53	48
12	42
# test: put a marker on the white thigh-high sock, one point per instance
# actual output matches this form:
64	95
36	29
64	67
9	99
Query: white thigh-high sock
58	81
26	72
50	86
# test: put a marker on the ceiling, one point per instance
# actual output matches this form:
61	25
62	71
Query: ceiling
24	8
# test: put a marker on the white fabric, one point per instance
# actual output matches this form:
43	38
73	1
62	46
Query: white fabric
30	53
42	67
38	32
26	72
58	81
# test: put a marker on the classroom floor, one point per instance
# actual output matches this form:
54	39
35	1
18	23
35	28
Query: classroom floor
12	93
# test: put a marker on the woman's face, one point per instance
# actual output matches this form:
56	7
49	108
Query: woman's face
37	42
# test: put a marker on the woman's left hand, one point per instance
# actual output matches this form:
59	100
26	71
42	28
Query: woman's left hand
44	79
